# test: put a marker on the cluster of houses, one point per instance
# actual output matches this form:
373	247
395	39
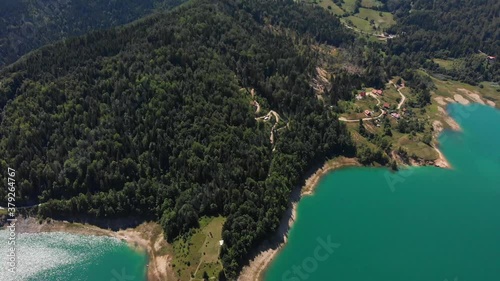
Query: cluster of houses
386	106
395	115
361	95
377	92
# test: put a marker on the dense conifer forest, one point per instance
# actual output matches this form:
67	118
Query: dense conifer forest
153	119
28	24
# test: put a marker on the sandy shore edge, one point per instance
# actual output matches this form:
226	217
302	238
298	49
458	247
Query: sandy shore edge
147	237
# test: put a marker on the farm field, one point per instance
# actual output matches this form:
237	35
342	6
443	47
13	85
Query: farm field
366	20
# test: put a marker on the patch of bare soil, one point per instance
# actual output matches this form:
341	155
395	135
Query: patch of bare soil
460	99
472	95
449	121
440	101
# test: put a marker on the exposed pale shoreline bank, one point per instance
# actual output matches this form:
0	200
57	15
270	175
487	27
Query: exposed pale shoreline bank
268	250
146	237
447	121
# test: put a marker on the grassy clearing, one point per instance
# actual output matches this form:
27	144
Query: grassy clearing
359	23
414	146
358	139
391	96
371	3
382	20
3	212
336	10
355	109
366	21
446	64
201	248
349	5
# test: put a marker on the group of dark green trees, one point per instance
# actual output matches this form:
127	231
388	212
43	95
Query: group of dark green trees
29	24
148	120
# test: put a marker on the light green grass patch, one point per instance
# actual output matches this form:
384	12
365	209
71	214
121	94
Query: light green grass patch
201	248
418	148
334	9
349	5
359	23
382	20
213	234
358	139
446	64
371	3
391	95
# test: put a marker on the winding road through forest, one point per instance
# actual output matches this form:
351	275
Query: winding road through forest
403	98
267	116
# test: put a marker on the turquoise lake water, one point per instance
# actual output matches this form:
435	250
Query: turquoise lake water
68	257
420	224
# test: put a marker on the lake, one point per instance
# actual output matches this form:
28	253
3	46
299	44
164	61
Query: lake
419	224
68	257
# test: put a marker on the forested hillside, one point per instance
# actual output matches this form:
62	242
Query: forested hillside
28	24
154	119
459	29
